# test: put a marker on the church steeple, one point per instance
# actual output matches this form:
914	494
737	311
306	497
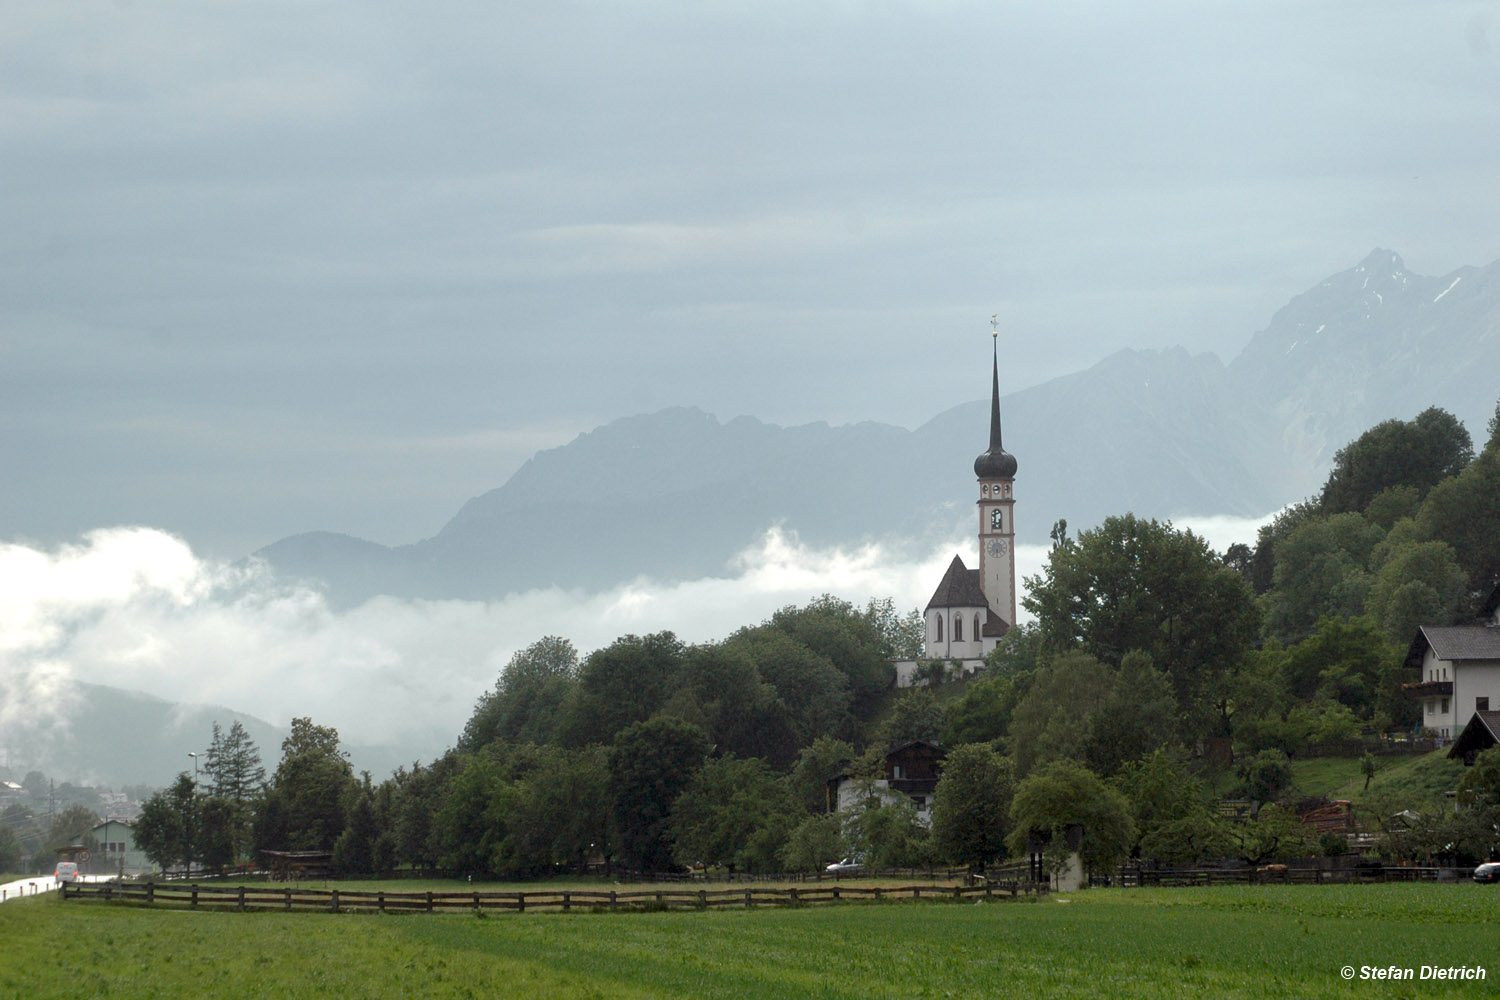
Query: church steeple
997	463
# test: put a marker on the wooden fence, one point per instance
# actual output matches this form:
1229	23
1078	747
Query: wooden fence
252	897
1279	876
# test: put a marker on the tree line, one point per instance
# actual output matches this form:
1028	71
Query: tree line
1148	649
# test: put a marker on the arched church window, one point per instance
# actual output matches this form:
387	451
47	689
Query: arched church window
958	628
976	628
937	621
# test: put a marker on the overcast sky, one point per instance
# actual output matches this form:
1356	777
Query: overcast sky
284	266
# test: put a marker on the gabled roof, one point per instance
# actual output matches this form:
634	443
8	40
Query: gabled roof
959	588
1482	732
1455	643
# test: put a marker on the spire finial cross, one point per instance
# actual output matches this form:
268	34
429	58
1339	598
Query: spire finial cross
995	325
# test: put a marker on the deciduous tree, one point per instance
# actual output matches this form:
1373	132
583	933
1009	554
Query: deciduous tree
1065	794
650	765
971	806
1132	584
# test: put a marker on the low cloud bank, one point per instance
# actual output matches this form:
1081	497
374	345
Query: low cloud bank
135	608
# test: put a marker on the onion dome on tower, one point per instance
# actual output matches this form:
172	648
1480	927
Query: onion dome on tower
997	463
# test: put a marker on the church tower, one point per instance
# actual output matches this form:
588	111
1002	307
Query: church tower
996	470
972	609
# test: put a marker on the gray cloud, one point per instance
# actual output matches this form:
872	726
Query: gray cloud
252	250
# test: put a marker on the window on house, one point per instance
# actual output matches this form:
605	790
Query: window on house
976	628
958	628
1481	704
1444	709
938	622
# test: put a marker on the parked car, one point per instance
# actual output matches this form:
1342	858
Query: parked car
847	866
1488	872
66	871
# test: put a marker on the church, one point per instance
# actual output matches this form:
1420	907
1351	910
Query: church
973	608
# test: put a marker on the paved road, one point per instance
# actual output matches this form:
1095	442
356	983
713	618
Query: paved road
38	884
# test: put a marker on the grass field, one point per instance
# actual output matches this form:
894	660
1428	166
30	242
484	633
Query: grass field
1417	779
1263	941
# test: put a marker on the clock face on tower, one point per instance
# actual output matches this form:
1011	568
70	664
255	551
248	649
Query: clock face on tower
997	520
996	547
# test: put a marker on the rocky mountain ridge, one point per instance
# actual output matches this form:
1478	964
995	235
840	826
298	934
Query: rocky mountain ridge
677	493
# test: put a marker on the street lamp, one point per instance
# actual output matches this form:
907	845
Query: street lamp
194	755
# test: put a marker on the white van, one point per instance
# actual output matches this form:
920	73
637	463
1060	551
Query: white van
67	871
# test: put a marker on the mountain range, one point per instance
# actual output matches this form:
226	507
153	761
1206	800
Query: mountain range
676	494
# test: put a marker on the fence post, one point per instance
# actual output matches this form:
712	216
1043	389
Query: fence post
567	901
333	900
195	896
380	901
520	902
242	897
612	899
749	903
429	900
793	893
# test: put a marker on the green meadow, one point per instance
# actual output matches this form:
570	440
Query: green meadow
1243	941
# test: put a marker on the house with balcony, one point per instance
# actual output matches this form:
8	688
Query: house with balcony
1458	671
910	770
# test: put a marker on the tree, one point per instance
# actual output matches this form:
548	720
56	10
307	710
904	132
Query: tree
903	636
10	849
527	702
915	715
1415	583
813	692
817	764
622	684
1065	794
167	829
1350	661
835	630
1046	723
217	835
1321	570
971	806
813	843
73	826
718	688
1420	453
465	826
1265	775
234	766
884	830
1132	584
354	851
237	775
650	765
1275	832
735	813
1175	822
1463	512
309	792
1263	560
